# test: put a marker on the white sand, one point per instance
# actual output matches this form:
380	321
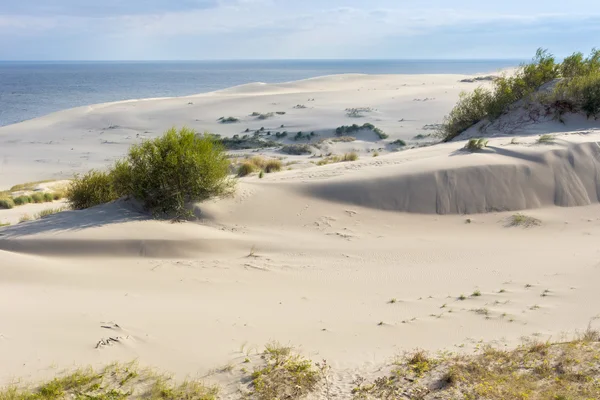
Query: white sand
332	244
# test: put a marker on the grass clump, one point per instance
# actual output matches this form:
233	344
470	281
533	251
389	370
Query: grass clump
399	143
245	169
91	189
546	139
284	376
38	198
272	166
523	220
476	144
7	203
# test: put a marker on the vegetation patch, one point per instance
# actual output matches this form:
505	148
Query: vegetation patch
261	164
284	375
115	382
577	91
345	129
296	149
7	203
399	143
535	370
245	142
29	185
476	144
523	221
546	139
165	174
352	156
358	112
228	120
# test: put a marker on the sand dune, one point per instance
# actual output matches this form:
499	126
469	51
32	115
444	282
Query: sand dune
310	256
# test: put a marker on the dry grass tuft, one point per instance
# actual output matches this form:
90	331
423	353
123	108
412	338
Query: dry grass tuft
284	376
523	220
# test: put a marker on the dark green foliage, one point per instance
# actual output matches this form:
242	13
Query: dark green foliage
228	120
399	142
91	189
177	168
296	149
22	200
245	142
343	130
578	91
485	103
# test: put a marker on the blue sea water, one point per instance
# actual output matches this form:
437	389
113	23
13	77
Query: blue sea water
33	89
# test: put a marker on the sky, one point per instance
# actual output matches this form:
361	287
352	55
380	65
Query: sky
294	29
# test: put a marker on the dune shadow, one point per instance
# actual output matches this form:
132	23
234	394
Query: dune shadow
112	213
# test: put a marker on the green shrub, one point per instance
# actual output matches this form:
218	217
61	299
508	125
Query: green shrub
173	170
485	103
352	156
91	189
37	197
48	197
22	200
580	93
58	195
399	142
6	203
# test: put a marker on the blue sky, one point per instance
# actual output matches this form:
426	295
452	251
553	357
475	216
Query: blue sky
265	29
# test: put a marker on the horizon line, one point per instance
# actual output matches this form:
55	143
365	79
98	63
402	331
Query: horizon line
275	59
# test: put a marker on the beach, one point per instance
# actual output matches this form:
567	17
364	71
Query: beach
413	245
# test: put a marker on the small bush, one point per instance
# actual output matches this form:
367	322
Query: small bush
58	195
272	166
228	120
476	144
48	197
399	143
342	130
92	189
22	200
7	203
175	169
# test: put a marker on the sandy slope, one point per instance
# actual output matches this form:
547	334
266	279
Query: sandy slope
310	256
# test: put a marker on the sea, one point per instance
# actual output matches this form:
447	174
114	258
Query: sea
33	89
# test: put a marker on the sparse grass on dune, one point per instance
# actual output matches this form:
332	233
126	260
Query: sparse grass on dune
115	382
347	157
546	139
535	370
284	375
29	185
523	221
48	212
